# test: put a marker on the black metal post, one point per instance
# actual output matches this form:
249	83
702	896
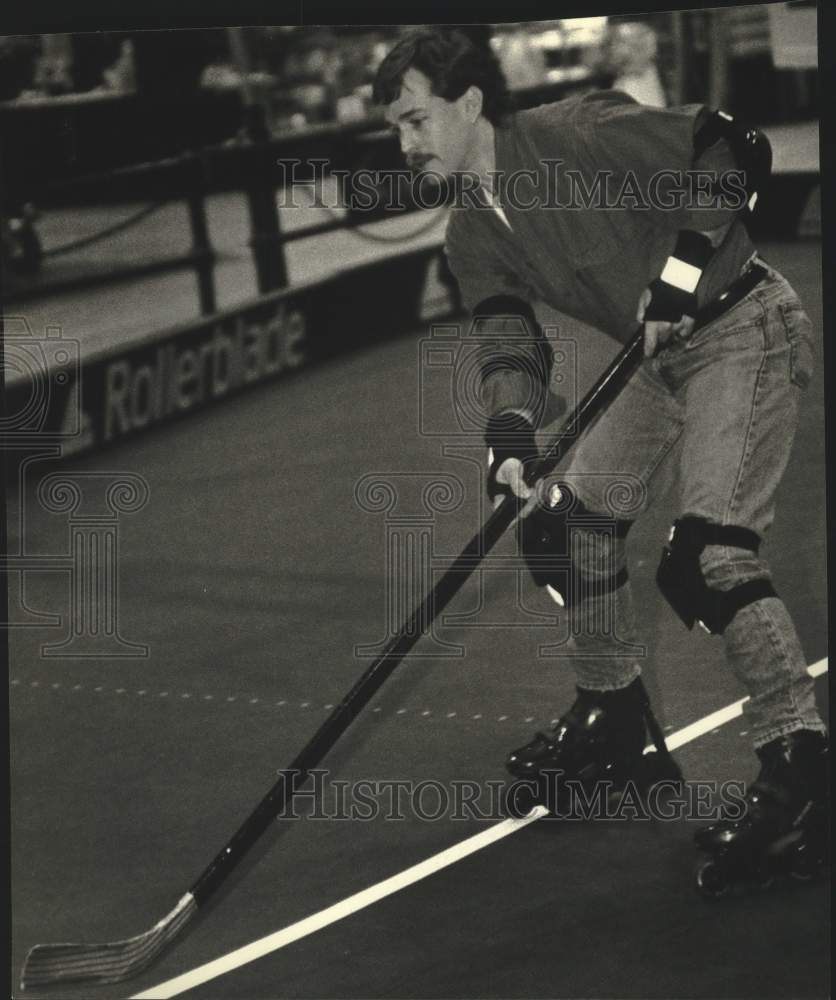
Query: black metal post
201	244
265	232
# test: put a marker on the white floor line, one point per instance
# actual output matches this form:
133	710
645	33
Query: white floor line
360	900
366	897
724	715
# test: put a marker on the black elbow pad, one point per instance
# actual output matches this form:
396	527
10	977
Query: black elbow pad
519	339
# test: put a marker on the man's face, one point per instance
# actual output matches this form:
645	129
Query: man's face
435	134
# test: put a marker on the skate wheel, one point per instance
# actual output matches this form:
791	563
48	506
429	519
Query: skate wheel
712	880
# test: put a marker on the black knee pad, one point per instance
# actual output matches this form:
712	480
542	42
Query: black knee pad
545	538
681	580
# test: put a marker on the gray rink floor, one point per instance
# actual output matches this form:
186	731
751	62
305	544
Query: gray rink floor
252	574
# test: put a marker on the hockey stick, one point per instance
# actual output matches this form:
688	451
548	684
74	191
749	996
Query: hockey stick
119	960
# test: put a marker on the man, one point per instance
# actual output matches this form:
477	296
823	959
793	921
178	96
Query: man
727	353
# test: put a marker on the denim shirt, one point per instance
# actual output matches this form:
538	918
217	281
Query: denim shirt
588	260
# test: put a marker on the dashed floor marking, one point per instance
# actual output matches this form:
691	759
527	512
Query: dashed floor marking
188	695
815	670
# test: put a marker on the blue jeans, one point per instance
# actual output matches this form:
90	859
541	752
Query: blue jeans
729	395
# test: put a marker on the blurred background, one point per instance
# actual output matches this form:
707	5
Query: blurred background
139	186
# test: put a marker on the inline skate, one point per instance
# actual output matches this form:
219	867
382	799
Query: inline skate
599	742
783	829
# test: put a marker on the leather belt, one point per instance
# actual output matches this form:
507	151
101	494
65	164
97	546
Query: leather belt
736	291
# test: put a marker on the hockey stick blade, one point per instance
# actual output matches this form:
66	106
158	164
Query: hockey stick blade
110	962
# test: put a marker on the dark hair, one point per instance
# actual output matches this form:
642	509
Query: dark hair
453	58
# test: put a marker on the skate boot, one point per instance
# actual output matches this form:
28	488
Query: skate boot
600	739
784	829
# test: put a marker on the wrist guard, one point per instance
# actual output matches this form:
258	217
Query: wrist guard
508	435
673	293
